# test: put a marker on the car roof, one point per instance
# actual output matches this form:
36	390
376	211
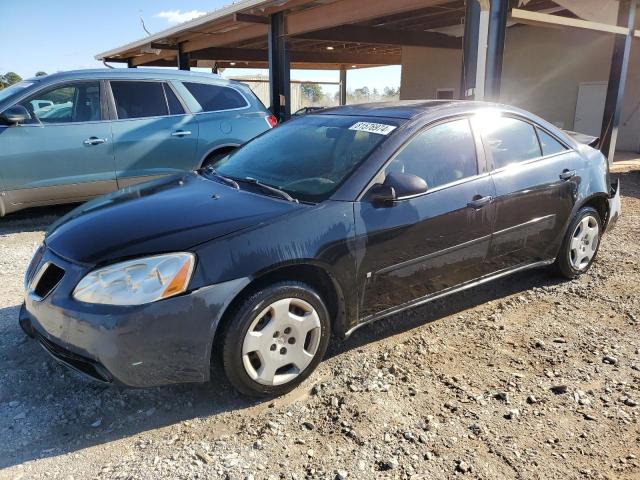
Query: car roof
409	109
151	73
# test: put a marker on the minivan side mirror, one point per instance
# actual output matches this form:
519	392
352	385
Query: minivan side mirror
14	115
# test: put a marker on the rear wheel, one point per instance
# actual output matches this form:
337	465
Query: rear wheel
276	339
580	244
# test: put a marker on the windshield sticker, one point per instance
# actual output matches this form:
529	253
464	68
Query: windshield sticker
379	128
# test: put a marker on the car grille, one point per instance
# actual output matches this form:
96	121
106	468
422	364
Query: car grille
46	279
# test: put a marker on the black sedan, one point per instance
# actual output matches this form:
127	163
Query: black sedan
327	222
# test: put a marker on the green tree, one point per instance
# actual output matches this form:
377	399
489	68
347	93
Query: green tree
40	73
9	79
312	91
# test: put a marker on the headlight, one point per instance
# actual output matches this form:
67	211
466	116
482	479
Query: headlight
137	282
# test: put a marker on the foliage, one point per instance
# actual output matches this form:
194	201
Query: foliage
8	79
312	91
40	73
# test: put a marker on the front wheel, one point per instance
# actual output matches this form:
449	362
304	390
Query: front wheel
580	244
276	339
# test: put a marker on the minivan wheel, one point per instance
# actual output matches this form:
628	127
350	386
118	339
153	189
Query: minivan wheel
580	244
276	339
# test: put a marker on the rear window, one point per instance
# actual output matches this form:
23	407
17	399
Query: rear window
213	98
139	99
549	144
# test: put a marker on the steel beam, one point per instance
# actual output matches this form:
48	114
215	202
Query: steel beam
343	86
495	48
383	36
279	68
470	49
183	59
617	79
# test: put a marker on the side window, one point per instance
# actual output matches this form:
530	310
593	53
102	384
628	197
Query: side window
139	99
510	140
549	144
440	155
79	102
213	98
175	107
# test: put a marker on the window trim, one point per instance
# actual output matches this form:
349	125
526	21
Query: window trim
168	84
535	126
113	114
248	104
481	160
61	84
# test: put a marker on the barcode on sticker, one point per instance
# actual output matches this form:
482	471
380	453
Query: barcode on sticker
379	128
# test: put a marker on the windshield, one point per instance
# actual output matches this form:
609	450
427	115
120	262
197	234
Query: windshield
15	88
308	157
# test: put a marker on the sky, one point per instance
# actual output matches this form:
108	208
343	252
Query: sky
60	35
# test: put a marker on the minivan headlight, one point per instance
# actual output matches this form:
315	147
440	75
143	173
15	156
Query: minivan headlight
139	281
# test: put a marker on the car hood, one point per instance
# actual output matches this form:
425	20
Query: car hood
167	215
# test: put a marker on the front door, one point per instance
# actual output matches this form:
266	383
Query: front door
535	177
153	134
64	152
432	242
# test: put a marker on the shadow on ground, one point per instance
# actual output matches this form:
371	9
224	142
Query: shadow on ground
64	412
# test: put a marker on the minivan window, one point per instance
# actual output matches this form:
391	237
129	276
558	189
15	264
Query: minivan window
139	99
549	144
69	103
510	140
442	154
213	98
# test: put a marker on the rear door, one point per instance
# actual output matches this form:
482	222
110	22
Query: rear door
153	133
431	242
64	152
535	180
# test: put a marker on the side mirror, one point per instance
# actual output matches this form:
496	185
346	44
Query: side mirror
381	195
14	115
406	184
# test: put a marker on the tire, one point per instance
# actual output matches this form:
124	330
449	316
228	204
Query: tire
275	339
581	243
215	157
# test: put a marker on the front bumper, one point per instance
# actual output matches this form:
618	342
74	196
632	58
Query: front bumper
615	206
160	343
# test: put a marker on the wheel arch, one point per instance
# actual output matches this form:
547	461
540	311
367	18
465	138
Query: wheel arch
225	148
312	273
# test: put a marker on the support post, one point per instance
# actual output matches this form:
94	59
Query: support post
130	64
279	68
617	79
495	48
343	85
474	52
183	59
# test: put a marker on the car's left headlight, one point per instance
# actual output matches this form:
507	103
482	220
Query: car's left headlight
139	281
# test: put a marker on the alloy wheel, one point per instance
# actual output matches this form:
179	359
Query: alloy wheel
584	243
281	341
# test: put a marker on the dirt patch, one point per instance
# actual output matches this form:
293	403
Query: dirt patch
527	377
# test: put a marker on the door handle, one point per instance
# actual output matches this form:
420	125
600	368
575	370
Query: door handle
181	133
94	141
567	174
479	201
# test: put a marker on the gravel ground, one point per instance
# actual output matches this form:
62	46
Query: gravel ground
528	377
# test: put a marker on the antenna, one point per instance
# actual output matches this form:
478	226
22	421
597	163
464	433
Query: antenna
144	27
